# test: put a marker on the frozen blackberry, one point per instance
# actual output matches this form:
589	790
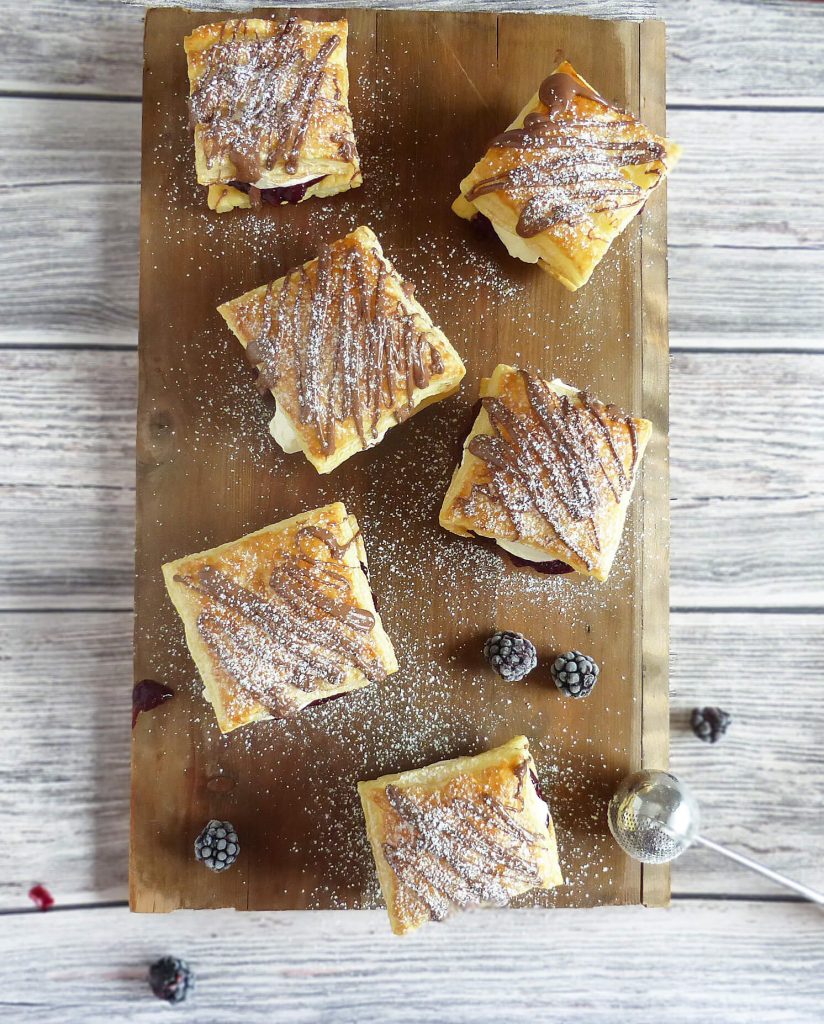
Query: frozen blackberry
171	979
217	845
575	674
710	724
510	654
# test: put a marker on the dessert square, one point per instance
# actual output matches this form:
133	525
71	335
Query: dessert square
281	618
269	103
345	349
474	831
565	179
547	472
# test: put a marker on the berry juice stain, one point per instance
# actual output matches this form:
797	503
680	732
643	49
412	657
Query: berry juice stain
41	897
146	695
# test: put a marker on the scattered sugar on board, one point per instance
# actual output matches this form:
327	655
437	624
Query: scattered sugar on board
413	718
412	728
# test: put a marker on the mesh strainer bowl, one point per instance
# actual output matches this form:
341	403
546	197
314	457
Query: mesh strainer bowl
653	817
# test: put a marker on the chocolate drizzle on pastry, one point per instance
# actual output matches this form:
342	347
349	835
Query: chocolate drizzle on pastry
303	631
344	343
561	458
574	157
454	850
257	95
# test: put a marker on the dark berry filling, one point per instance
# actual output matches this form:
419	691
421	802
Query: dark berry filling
41	897
277	196
536	785
146	695
483	225
325	700
555	567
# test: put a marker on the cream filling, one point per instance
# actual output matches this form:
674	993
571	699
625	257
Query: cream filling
284	433
515	245
282	182
531	554
282	430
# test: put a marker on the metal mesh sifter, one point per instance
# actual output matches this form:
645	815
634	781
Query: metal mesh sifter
654	818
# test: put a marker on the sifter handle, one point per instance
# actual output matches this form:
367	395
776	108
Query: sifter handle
774	876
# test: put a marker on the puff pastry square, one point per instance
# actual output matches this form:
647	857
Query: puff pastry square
565	179
474	831
281	618
547	472
269	102
345	348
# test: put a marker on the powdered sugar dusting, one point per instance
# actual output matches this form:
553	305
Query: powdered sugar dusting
259	92
290	786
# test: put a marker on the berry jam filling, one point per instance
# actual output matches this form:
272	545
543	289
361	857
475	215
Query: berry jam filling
146	695
277	196
551	568
536	785
483	225
325	700
41	897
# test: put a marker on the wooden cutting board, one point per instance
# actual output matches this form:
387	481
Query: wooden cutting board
428	91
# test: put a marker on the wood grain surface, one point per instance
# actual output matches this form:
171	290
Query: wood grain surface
746	309
718	51
76	771
734	277
731	513
428	91
259	968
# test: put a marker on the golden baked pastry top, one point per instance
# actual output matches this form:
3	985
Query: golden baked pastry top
269	103
281	618
345	349
566	177
548	470
472	831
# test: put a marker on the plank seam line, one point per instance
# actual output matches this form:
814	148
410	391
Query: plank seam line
81	97
63	908
80	183
674	610
689	246
693	897
66	611
687	897
744	610
28	484
748	351
743	106
71	346
774	350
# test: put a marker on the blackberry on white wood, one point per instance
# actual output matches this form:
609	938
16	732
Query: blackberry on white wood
171	979
710	724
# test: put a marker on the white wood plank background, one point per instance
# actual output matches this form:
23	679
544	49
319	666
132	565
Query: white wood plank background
720	51
305	969
746	89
